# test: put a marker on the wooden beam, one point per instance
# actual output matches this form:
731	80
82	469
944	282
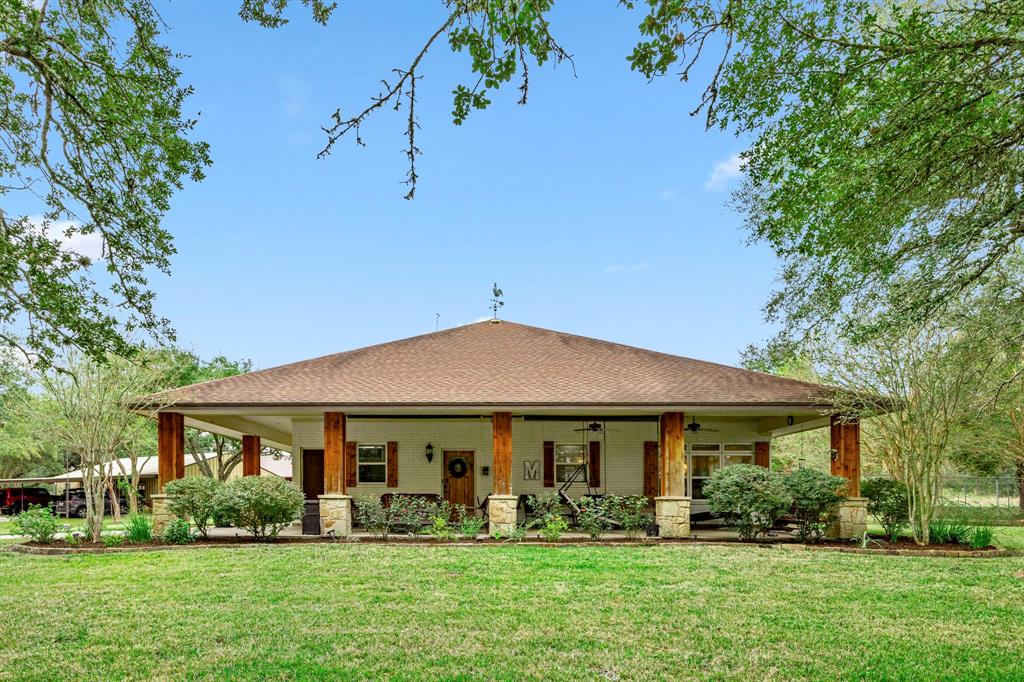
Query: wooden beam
672	454
846	453
335	480
250	455
170	447
501	427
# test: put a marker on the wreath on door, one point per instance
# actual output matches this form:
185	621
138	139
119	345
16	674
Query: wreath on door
458	467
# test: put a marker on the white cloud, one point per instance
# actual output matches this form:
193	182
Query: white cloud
619	267
724	172
669	194
295	93
71	240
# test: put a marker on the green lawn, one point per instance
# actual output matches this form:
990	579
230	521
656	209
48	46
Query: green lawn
509	612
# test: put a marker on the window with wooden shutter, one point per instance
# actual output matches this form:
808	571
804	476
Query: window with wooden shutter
392	464
595	464
651	468
549	464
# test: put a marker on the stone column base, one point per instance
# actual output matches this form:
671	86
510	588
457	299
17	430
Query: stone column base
161	514
672	514
501	514
336	515
851	519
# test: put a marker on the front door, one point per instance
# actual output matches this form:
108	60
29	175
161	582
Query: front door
458	478
312	473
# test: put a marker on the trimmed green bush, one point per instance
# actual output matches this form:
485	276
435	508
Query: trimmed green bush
629	512
887	502
177	532
593	518
262	505
192	499
816	498
749	498
39	523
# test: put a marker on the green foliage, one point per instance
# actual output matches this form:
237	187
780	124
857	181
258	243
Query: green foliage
469	524
545	504
981	537
194	498
113	540
594	518
39	523
262	505
441	529
372	516
750	498
816	498
628	511
94	137
138	528
552	526
946	531
887	502
177	532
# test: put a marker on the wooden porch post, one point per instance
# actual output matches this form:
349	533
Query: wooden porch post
250	455
502	433
170	447
672	455
846	453
334	454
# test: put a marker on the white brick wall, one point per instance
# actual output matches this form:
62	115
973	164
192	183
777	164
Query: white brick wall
621	449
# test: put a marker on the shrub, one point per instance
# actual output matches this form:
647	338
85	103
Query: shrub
545	504
138	528
441	529
552	527
816	498
629	513
177	532
750	498
413	514
262	505
469	524
981	537
887	502
39	523
593	518
193	498
112	540
371	515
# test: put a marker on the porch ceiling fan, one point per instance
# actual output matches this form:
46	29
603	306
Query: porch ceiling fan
593	427
694	427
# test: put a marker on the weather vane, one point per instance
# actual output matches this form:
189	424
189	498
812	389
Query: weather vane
496	302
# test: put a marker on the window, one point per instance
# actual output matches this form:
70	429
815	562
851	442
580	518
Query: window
569	458
706	458
371	463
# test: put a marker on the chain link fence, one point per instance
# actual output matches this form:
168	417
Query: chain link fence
993	492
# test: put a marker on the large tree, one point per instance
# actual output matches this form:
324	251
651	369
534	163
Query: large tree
93	143
887	134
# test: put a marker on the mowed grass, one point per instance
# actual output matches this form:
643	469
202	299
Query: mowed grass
509	613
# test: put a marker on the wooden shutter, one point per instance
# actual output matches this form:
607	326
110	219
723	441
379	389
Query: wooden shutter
392	464
761	450
350	463
651	468
595	464
549	464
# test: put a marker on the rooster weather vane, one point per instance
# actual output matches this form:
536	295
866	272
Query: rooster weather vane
496	302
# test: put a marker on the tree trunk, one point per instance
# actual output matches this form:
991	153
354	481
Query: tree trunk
1020	484
115	501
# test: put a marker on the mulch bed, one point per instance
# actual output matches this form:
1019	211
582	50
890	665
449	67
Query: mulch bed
903	547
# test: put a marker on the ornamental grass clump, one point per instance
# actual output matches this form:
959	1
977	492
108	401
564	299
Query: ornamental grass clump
262	505
193	499
138	528
816	497
749	498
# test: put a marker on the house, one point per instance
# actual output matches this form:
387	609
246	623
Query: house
482	413
148	470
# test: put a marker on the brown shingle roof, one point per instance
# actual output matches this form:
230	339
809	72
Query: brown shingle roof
501	364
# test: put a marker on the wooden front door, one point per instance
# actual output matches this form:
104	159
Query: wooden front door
458	478
312	473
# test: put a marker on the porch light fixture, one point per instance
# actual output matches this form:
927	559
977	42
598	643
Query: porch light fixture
430	452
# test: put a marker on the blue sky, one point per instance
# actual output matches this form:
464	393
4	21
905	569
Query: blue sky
593	206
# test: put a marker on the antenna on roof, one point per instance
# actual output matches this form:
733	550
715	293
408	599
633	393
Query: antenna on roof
496	302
